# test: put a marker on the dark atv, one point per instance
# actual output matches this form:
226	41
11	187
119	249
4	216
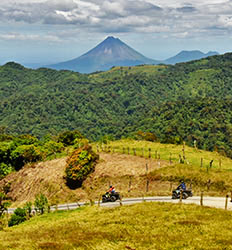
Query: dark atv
110	197
185	194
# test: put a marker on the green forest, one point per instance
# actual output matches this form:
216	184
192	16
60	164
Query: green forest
185	102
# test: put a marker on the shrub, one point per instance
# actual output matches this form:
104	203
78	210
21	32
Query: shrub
79	165
147	136
3	203
68	137
52	147
18	217
41	204
24	154
5	170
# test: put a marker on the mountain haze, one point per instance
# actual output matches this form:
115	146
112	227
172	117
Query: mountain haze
111	52
186	56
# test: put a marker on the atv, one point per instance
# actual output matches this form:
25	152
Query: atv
110	197
185	194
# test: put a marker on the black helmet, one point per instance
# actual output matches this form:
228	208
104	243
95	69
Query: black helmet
110	186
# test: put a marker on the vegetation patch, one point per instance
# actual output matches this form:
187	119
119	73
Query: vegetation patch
80	164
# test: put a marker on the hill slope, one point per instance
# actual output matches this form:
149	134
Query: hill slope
186	56
111	52
188	101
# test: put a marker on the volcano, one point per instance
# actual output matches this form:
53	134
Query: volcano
111	52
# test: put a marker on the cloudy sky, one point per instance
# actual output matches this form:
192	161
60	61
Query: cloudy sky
47	31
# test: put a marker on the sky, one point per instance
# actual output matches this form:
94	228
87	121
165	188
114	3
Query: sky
49	31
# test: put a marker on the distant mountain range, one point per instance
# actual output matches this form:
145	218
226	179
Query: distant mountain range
186	56
113	52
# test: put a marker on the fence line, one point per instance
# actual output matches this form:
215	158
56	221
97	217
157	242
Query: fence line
155	154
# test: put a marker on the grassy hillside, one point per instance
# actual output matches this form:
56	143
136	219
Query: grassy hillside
188	101
128	173
142	226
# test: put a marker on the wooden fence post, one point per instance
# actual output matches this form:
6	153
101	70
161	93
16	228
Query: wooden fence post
146	168
208	184
226	204
156	154
97	149
170	158
230	196
220	164
147	186
99	201
170	186
149	154
134	150
181	195
128	150
201	162
123	150
120	201
201	201
211	164
130	182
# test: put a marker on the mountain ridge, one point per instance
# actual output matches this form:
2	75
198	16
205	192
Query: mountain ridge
189	55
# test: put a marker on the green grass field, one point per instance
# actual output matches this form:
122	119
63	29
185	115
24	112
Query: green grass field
142	226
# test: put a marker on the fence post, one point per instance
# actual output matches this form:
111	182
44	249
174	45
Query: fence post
211	164
230	196
201	201
201	162
147	186
170	186
226	204
156	154
170	158
99	201
208	184
220	164
123	150
183	150
134	150
128	150
120	201
149	154
130	182
97	149
181	195
146	168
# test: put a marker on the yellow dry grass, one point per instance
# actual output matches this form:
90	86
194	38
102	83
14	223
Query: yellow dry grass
145	226
48	178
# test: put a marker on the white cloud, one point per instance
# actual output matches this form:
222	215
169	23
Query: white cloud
180	18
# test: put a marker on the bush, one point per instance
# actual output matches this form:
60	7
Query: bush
5	170
52	147
68	137
41	204
18	217
79	165
24	154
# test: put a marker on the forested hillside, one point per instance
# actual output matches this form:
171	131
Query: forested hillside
188	101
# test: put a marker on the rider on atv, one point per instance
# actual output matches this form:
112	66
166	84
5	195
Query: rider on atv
182	186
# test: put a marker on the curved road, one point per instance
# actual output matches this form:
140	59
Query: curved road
217	202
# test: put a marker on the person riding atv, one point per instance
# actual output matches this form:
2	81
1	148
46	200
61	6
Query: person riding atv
110	195
181	188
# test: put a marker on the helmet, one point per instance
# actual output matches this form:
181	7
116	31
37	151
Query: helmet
110	186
